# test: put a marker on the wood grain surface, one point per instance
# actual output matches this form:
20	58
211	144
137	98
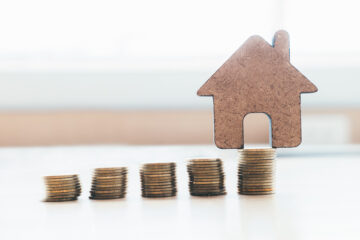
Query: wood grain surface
258	78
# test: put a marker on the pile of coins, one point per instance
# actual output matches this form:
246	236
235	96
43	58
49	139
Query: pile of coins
109	183
256	170
158	180
62	188
206	177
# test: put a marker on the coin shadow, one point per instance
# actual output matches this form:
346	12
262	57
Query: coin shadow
158	198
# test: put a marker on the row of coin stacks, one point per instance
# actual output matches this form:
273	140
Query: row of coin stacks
206	178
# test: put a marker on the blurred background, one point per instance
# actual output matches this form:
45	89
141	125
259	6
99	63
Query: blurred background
104	72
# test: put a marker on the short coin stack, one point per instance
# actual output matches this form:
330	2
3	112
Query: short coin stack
158	180
109	183
62	188
256	170
206	177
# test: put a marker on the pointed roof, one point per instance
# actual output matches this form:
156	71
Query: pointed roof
258	65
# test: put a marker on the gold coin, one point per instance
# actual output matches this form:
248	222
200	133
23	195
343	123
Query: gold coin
60	177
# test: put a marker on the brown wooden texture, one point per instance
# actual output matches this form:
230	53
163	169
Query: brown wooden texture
258	77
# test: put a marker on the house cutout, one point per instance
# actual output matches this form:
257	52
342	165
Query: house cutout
258	78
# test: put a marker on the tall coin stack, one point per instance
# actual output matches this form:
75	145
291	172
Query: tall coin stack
158	180
109	183
206	177
256	171
62	188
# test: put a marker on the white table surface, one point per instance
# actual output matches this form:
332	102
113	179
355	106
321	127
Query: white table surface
317	197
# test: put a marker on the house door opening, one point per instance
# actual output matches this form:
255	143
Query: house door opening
257	129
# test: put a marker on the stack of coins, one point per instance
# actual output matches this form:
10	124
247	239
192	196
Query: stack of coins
62	188
206	177
109	183
256	170
158	180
